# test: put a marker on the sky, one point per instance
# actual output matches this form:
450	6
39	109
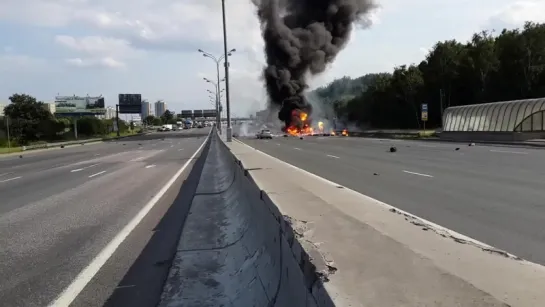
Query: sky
107	47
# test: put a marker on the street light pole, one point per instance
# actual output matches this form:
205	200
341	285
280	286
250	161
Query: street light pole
218	60
218	107
229	129
218	103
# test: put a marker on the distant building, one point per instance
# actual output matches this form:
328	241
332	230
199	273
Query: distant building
160	108
50	107
2	106
110	113
264	115
146	109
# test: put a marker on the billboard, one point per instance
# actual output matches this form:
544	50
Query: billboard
130	103
187	114
209	113
87	105
197	114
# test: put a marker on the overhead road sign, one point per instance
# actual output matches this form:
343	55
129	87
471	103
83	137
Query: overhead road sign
130	103
209	113
198	113
187	113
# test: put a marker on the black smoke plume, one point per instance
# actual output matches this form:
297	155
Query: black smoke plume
301	38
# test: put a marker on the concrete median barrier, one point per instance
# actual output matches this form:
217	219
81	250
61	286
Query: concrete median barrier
236	249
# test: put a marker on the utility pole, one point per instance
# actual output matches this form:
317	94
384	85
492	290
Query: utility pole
226	63
117	119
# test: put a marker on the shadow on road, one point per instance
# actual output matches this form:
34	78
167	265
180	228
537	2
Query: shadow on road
143	284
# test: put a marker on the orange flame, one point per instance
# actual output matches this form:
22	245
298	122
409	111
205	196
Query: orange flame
298	130
292	130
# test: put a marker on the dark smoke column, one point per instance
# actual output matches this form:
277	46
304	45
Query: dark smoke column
301	38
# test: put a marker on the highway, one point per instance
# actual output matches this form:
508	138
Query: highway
492	194
60	208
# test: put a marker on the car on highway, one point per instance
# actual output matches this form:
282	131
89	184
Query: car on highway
264	134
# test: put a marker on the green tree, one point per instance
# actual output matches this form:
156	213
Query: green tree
23	106
167	116
487	68
157	121
149	120
30	120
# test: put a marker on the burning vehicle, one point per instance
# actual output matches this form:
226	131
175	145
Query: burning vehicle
301	39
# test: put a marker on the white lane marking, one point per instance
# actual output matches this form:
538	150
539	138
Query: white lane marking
171	146
180	149
333	156
511	152
80	169
297	148
5	174
418	174
137	159
277	144
96	174
380	203
10	179
96	155
84	277
149	166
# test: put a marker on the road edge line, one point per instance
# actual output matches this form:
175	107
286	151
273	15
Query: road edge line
77	285
390	207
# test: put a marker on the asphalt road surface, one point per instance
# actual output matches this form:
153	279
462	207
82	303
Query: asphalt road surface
493	194
60	208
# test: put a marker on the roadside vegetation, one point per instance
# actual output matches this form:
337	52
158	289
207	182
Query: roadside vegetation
491	67
30	123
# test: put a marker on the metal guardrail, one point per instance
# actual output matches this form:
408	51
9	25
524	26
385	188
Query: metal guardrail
76	142
59	144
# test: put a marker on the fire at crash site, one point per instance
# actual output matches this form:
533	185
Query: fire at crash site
302	37
300	125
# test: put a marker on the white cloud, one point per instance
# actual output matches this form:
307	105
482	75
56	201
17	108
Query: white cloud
103	51
518	12
21	64
155	42
93	62
161	24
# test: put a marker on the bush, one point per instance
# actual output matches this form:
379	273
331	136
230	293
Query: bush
12	143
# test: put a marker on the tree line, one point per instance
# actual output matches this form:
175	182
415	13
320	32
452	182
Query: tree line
168	117
28	121
487	68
